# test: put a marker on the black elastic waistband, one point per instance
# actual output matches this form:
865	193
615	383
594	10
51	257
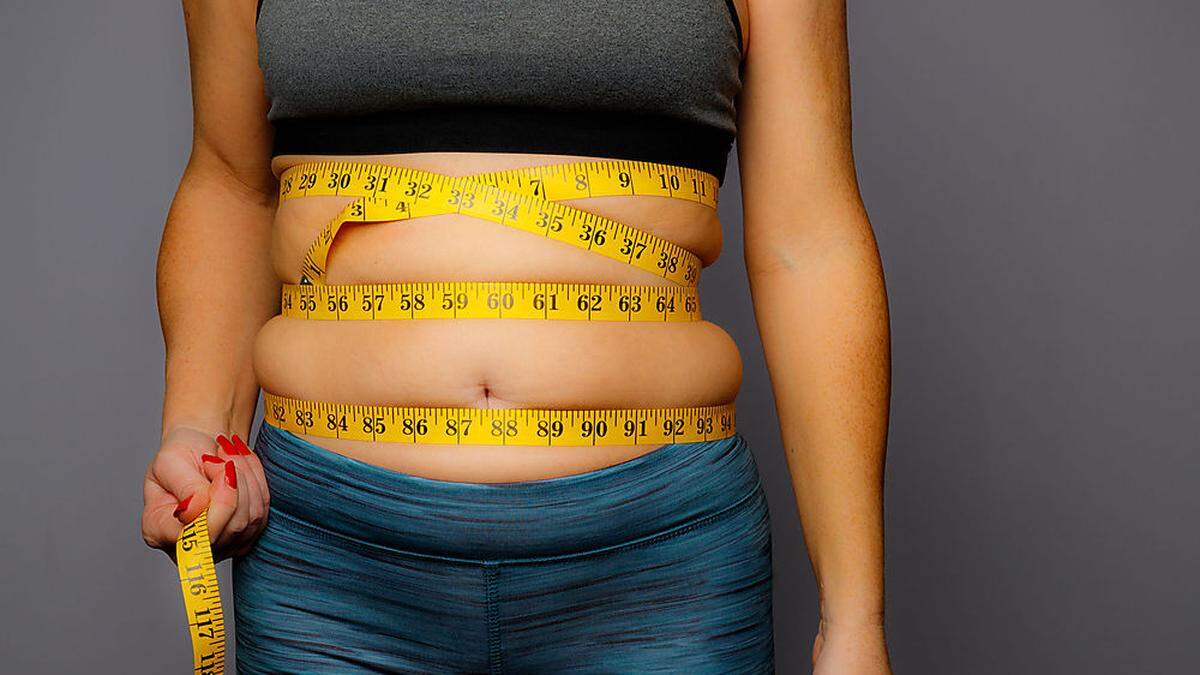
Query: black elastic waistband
602	134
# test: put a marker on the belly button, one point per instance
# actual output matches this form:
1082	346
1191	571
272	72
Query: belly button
483	399
488	400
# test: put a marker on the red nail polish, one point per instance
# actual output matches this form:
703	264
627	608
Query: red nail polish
211	459
241	445
183	505
231	475
226	445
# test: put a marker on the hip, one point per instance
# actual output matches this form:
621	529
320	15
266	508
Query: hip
659	563
673	486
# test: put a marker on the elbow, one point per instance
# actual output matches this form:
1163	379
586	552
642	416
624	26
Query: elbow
210	171
804	257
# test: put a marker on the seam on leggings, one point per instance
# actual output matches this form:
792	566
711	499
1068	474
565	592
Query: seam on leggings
642	542
490	573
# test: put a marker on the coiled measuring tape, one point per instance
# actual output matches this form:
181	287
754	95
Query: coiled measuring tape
201	597
526	199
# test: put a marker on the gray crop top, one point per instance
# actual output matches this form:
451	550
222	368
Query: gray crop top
651	81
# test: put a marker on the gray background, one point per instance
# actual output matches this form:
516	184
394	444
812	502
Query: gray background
1029	168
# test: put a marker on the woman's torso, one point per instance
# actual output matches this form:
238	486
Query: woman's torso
491	363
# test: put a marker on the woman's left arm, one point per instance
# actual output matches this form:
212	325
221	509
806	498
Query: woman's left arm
819	299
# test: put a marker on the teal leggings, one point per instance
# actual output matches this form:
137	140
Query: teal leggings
660	564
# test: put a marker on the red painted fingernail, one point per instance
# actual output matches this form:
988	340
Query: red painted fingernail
231	475
241	445
226	445
182	506
212	459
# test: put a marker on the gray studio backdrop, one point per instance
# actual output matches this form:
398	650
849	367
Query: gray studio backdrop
1030	168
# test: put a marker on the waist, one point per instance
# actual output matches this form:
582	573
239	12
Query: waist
482	362
499	363
672	487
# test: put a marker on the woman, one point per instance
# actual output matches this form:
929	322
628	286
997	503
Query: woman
399	539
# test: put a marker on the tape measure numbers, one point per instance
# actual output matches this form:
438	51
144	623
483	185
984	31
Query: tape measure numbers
505	426
201	596
524	199
491	300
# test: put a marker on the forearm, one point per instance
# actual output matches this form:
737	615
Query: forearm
822	314
214	292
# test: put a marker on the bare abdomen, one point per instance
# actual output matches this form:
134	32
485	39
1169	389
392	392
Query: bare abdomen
490	362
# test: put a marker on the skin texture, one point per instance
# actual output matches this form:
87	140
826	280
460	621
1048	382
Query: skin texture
489	363
819	300
810	255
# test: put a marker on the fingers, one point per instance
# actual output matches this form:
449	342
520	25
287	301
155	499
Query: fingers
233	535
175	491
256	469
160	528
245	524
178	472
223	503
251	469
189	475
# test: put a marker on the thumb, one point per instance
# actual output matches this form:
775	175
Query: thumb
177	490
222	501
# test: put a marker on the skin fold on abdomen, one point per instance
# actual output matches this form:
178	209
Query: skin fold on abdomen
489	363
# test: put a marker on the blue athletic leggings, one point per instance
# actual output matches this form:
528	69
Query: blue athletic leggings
660	564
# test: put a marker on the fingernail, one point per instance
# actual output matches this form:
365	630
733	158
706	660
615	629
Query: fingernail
183	505
211	459
226	445
241	445
231	475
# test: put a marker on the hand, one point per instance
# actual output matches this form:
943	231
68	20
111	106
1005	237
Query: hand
191	472
842	649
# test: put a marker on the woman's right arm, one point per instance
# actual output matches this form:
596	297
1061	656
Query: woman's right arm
216	288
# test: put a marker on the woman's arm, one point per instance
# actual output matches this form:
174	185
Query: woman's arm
215	288
819	299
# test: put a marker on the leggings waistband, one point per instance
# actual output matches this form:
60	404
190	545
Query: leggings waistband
670	487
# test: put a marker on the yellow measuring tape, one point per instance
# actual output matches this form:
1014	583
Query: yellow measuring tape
201	596
491	300
504	426
526	199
